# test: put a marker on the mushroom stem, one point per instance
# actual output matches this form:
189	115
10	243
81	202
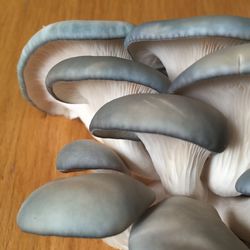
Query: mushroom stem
178	163
178	54
45	57
134	155
226	167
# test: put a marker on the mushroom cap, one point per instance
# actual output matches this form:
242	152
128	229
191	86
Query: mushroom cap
170	115
199	26
69	30
182	223
93	206
243	183
229	62
105	68
88	154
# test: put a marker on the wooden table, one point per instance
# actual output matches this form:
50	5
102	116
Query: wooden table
31	139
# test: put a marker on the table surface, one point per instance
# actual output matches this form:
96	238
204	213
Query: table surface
30	139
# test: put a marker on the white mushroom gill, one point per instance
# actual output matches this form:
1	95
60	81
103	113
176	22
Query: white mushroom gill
178	54
178	163
231	96
95	93
48	55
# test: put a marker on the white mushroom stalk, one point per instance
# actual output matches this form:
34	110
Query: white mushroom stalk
222	80
178	163
178	133
178	54
225	168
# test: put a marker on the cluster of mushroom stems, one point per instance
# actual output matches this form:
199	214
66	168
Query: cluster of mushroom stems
167	105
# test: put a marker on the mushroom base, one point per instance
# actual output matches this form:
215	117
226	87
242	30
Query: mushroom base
178	163
231	97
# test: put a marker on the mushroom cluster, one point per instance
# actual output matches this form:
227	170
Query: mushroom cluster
168	167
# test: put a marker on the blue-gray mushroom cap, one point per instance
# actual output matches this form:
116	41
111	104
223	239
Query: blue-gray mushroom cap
175	116
104	68
92	206
88	154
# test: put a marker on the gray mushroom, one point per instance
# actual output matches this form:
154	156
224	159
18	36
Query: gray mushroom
222	80
243	183
88	155
179	134
182	223
93	206
59	41
176	44
94	81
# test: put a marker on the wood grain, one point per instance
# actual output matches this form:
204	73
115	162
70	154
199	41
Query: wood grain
31	139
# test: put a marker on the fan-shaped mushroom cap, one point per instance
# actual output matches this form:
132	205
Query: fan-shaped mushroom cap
182	223
156	120
94	206
243	183
222	80
66	80
60	41
170	115
88	154
176	44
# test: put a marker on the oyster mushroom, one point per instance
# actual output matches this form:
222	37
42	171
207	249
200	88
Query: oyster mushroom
182	223
93	206
77	80
60	41
222	80
179	134
88	154
176	44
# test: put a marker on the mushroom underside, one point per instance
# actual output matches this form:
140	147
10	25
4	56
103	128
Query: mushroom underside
176	55
48	55
230	96
178	163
